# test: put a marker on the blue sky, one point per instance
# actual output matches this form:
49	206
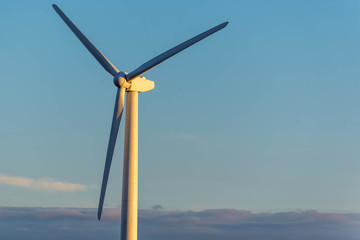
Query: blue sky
261	116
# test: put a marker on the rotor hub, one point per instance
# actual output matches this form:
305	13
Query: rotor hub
120	80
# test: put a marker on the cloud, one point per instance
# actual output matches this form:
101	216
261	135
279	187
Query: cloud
157	207
81	223
40	184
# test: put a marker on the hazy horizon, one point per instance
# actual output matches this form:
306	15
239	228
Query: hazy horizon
159	223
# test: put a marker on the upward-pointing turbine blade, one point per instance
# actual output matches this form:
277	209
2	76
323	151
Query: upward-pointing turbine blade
162	57
109	67
118	110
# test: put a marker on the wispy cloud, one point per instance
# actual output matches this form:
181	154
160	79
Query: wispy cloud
40	184
230	224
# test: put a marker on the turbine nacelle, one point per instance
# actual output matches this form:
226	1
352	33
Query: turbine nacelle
140	84
137	84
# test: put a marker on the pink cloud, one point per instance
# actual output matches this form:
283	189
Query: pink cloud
40	184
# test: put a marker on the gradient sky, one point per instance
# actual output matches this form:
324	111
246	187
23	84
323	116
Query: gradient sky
263	115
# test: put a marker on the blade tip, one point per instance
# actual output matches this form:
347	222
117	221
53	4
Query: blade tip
56	8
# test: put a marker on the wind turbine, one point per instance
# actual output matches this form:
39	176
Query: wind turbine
131	83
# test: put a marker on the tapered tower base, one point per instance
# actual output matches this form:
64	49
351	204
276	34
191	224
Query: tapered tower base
129	203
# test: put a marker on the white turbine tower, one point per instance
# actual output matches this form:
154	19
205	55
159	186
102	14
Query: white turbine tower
132	84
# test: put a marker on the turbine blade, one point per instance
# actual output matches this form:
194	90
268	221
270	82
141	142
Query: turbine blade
118	110
107	65
162	57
